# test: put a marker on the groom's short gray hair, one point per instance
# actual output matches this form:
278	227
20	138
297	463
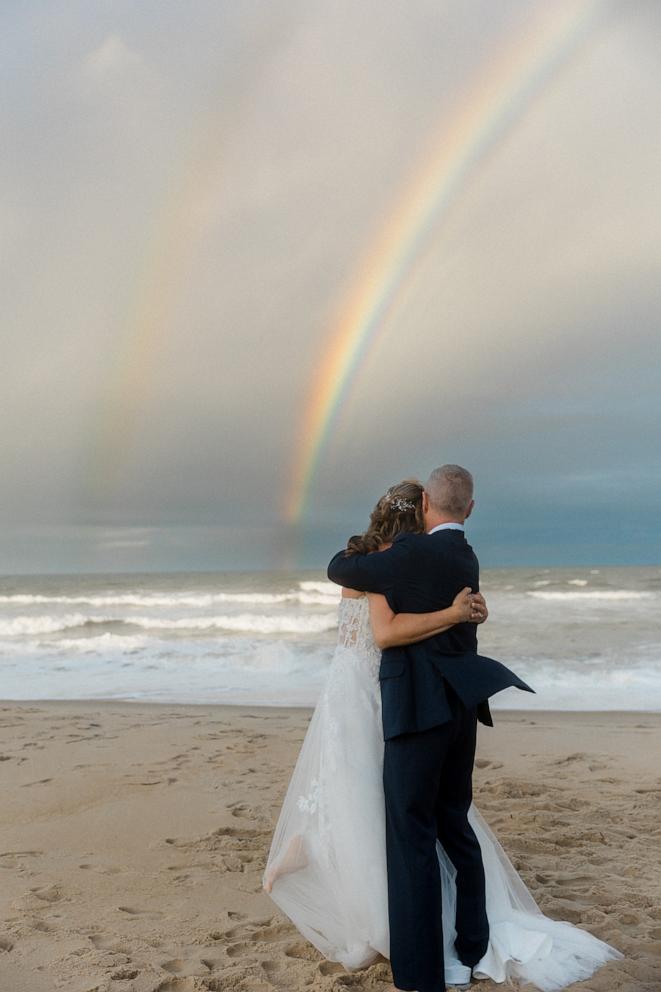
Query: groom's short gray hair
450	489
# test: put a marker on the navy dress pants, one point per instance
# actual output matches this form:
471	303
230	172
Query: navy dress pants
427	780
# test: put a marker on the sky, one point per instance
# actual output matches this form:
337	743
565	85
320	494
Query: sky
189	195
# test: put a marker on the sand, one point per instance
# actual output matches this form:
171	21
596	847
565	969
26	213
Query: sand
133	839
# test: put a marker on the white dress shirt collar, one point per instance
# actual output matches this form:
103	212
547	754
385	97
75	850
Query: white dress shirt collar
448	526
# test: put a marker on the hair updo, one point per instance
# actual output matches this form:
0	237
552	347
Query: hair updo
399	511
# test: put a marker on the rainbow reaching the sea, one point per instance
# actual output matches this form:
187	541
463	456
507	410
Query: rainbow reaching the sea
488	112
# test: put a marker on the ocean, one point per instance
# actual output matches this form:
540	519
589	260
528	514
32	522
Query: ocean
584	638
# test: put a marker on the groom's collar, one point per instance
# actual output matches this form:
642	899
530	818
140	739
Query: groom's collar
448	526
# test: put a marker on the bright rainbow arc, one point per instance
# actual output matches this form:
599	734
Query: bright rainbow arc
493	106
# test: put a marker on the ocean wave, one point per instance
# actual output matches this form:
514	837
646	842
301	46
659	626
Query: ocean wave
318	599
155	599
328	588
255	623
607	595
42	625
563	687
123	643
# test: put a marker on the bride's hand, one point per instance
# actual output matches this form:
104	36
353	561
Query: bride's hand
480	611
470	607
462	605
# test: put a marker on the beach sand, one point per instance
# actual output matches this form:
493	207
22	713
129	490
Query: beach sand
133	839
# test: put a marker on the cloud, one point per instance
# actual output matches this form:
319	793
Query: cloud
188	200
111	59
104	545
123	86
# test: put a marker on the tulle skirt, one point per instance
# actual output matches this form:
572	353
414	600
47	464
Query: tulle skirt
327	861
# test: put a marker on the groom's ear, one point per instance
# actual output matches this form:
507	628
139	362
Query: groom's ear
470	508
425	501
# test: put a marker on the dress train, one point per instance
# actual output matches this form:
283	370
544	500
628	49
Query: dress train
326	868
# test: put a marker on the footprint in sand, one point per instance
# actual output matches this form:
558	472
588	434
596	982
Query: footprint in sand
570	759
329	968
273	932
107	870
243	810
238	846
5	945
124	974
102	943
571	912
50	894
176	966
14	859
237	950
303	952
272	970
132	911
177	985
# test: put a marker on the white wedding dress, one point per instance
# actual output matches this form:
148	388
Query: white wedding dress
329	844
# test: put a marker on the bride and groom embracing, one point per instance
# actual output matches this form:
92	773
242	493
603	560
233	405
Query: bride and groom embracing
379	849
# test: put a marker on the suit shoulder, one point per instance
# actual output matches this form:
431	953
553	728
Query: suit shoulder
409	540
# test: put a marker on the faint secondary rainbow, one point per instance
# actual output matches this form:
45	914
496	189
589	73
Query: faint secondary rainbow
180	218
500	98
158	278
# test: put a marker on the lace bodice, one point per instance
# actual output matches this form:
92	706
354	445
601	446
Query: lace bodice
355	632
350	697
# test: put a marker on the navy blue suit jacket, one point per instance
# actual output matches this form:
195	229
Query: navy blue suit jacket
421	573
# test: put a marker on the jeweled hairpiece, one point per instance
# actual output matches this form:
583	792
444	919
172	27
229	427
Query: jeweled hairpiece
398	502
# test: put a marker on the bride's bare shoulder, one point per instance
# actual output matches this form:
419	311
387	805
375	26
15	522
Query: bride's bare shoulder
351	593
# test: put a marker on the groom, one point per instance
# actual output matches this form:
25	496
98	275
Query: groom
433	693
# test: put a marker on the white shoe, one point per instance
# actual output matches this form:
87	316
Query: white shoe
458	976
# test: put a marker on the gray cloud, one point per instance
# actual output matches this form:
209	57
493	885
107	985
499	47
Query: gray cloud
186	194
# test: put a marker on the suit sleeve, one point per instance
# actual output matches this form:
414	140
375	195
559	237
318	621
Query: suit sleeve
368	573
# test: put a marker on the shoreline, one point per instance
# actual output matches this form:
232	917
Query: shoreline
133	837
294	708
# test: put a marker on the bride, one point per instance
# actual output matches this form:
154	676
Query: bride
326	868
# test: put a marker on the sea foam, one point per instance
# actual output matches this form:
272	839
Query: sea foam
583	638
606	595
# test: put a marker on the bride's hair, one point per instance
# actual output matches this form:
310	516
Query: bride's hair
398	511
